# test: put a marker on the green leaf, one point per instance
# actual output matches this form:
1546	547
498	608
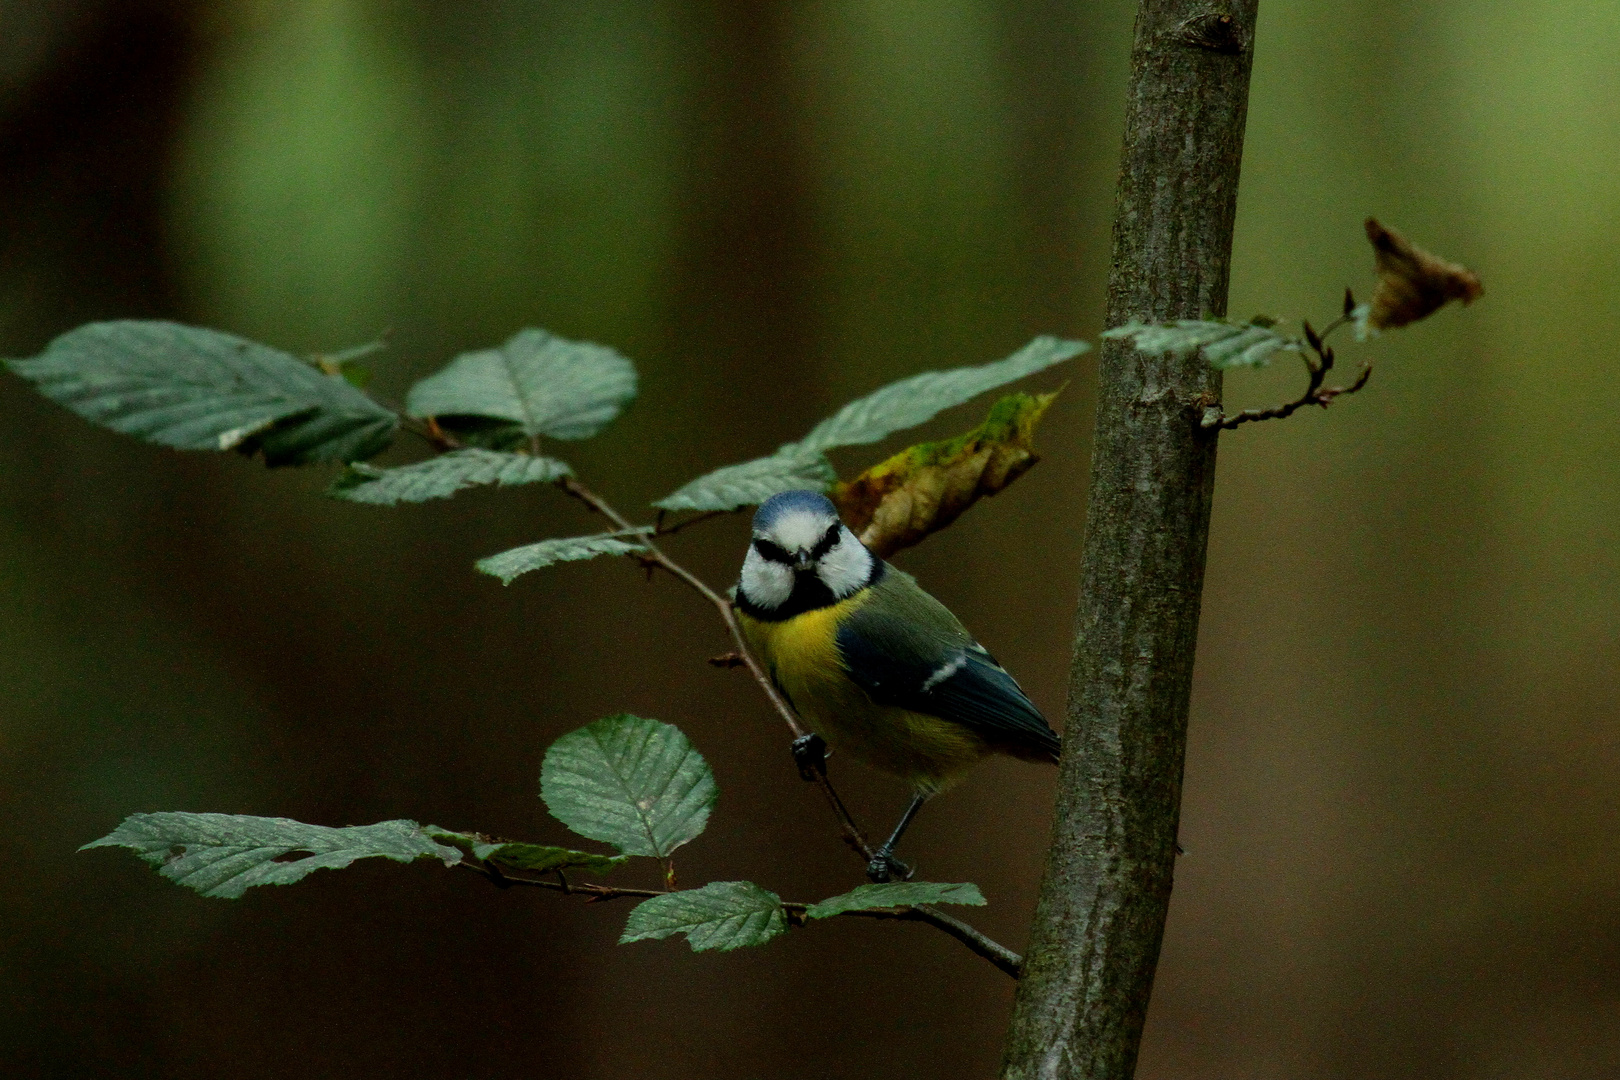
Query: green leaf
897	406
1224	344
920	398
197	389
545	384
634	783
224	855
897	894
722	915
752	482
443	476
509	565
518	856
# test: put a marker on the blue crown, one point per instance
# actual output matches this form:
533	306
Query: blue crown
775	507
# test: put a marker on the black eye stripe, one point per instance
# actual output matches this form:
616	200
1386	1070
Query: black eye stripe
825	544
768	550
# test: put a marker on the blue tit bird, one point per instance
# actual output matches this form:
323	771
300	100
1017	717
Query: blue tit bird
876	666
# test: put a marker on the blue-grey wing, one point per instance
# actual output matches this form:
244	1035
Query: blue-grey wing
935	668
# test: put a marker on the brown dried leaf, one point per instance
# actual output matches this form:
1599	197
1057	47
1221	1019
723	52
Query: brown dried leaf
899	502
1411	282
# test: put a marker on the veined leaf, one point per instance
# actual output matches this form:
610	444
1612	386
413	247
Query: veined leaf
752	482
920	398
511	564
545	384
1224	344
634	783
722	915
897	406
519	856
897	894
197	389
224	855
443	476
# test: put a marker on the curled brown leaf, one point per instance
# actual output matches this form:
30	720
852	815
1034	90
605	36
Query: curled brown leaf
899	502
1412	283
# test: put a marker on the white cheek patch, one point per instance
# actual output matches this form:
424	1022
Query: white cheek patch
846	567
765	584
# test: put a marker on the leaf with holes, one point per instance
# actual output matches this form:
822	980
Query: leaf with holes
897	406
509	565
441	477
1224	344
224	855
634	783
721	916
545	384
897	894
197	389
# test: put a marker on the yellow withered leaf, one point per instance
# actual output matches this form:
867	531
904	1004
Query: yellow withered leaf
897	503
1411	282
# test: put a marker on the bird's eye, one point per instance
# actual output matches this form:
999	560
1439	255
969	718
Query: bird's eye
768	550
826	543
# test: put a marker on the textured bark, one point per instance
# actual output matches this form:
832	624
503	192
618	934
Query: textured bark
1089	967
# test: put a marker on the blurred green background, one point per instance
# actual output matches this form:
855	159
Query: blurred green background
1400	795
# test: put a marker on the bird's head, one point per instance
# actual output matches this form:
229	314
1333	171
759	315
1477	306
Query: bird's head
802	557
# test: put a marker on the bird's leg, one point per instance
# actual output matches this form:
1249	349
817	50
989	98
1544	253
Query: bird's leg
810	755
884	866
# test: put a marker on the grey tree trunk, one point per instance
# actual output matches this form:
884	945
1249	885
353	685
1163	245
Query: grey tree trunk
1089	966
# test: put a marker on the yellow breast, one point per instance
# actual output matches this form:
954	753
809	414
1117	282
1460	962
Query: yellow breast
801	655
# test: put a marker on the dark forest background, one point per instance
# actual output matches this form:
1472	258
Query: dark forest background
1400	812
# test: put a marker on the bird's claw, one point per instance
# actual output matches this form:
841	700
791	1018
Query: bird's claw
884	868
810	755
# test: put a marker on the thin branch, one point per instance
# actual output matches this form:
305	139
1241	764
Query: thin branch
1315	393
997	954
993	951
654	555
593	892
660	529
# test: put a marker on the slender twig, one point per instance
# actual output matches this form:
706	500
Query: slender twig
654	555
993	951
997	954
660	529
1315	393
593	892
